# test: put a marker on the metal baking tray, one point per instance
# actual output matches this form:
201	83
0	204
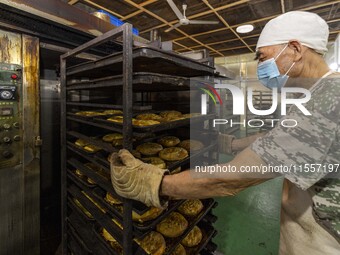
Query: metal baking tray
100	217
192	157
86	236
140	228
105	220
172	243
208	232
103	163
141	132
145	82
96	230
84	117
93	158
94	124
97	142
105	184
112	128
209	249
74	177
79	212
76	244
108	106
145	59
159	127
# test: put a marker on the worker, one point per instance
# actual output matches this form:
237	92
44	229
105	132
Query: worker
290	53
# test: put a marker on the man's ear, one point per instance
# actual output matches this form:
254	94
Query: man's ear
296	46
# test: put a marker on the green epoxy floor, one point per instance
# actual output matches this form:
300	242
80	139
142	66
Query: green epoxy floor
248	224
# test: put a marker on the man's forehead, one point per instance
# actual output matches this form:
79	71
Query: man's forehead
267	49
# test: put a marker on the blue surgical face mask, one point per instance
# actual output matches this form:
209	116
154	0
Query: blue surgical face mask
269	74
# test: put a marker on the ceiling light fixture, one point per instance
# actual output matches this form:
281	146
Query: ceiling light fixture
244	29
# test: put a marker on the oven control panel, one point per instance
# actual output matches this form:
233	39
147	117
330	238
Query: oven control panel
11	144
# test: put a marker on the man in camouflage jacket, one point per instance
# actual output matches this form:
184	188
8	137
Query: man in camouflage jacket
310	218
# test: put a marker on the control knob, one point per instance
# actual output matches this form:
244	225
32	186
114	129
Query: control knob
6	139
6	94
7	154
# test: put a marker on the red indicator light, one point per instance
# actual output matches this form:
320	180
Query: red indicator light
14	76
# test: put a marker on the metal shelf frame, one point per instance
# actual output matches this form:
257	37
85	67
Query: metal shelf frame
116	72
125	32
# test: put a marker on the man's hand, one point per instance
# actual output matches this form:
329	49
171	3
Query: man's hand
134	179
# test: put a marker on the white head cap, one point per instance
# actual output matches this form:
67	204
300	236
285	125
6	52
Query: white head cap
306	27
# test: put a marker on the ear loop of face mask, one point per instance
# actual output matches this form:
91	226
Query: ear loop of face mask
279	56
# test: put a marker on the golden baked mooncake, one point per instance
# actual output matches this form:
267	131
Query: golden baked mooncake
156	161
179	250
173	154
116	119
88	113
148	116
92	148
176	170
113	242
149	149
81	142
172	226
169	141
110	137
145	123
193	238
150	214
191	145
82	208
170	114
153	243
191	207
79	173
112	200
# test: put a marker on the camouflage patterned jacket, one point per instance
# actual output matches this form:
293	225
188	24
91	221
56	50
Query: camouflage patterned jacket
315	140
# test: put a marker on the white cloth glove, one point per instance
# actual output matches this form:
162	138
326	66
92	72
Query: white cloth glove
134	179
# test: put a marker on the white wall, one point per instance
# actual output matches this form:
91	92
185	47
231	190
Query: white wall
332	57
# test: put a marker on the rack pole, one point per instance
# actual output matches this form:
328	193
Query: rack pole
127	128
63	155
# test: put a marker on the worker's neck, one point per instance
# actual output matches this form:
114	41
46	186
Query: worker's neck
313	69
